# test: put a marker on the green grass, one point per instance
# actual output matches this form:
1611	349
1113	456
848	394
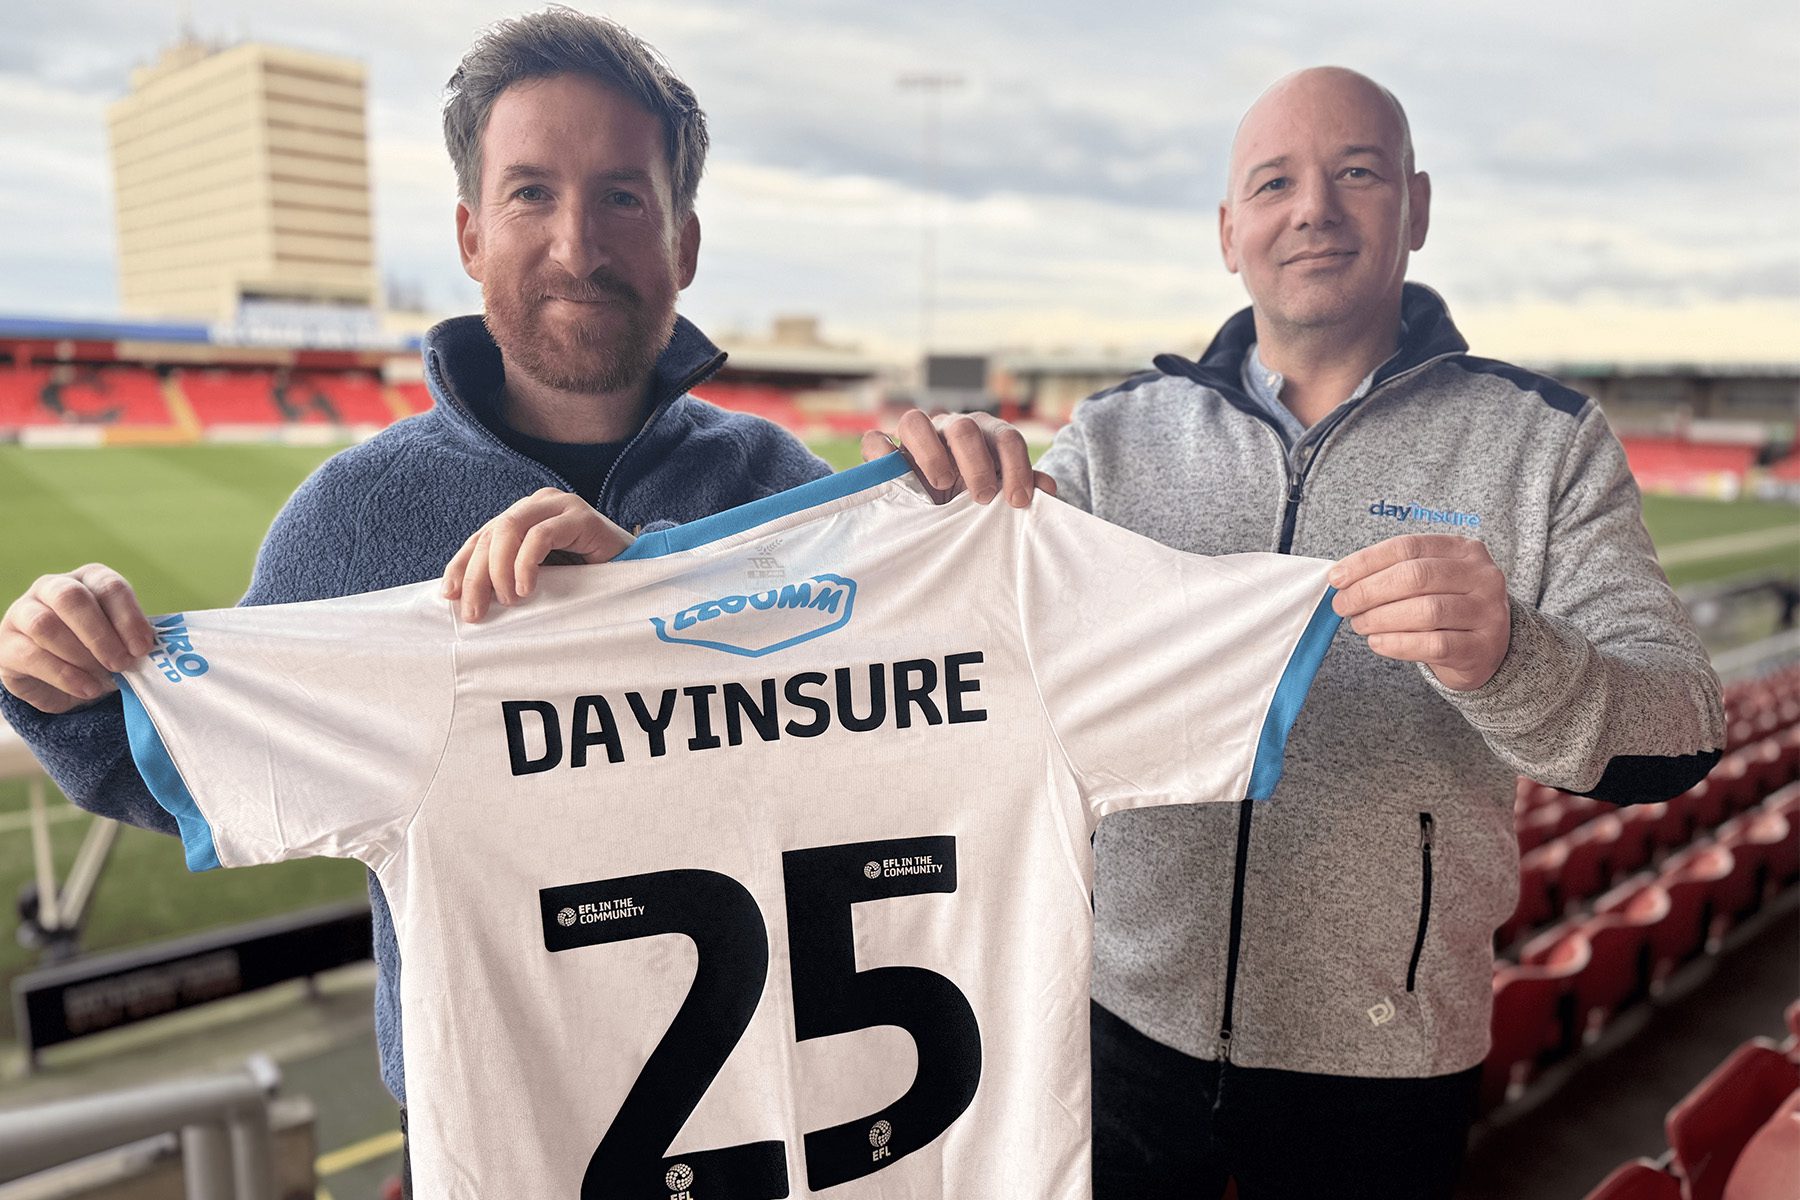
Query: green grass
183	524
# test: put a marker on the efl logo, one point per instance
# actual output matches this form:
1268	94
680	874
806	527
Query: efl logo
763	622
1418	512
173	653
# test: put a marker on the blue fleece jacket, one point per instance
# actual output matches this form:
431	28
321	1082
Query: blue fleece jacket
393	510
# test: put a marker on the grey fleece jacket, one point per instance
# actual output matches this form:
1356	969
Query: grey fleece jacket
1345	926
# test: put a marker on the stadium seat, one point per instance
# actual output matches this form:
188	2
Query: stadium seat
1639	1179
1768	1167
1538	825
1588	868
1539	899
1764	842
1762	771
1637	837
1706	800
1667	824
1689	879
1734	896
1619	974
1530	1016
1787	754
1710	1125
414	396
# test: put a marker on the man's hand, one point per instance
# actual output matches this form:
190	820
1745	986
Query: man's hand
1431	598
958	450
61	640
501	559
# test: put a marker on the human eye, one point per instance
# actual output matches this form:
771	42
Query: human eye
624	200
1277	184
530	187
1359	174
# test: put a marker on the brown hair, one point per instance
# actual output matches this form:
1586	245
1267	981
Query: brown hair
559	41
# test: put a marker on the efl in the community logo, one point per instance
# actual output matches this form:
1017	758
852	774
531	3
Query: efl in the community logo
173	653
880	1134
680	1178
757	623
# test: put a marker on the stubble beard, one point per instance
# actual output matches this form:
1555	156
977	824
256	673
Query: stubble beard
613	350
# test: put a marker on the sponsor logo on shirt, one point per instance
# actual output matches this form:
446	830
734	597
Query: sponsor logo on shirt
173	653
757	623
1420	512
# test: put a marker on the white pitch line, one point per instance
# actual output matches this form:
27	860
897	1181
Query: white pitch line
1732	543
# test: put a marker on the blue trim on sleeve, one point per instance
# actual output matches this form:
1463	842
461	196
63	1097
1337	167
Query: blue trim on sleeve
769	508
1290	694
165	782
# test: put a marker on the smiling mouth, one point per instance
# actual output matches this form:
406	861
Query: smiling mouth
1320	256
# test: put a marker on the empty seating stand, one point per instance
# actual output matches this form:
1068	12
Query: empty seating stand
68	394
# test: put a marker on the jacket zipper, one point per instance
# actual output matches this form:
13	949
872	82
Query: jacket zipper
1427	827
1296	481
1237	925
693	380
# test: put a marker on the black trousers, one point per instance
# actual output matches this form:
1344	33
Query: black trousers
1177	1128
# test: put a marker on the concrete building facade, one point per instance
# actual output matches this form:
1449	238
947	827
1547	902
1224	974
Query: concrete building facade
241	176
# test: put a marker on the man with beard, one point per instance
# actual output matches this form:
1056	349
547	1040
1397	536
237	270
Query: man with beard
578	154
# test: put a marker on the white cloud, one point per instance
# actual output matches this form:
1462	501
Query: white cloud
1629	156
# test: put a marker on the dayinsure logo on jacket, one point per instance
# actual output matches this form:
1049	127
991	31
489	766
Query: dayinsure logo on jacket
1422	513
763	622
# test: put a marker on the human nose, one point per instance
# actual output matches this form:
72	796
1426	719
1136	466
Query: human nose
577	244
1317	205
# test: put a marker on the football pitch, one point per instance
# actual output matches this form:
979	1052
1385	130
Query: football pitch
183	523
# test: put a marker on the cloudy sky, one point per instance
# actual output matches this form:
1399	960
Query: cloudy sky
1614	179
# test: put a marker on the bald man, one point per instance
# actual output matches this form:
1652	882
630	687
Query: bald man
1296	994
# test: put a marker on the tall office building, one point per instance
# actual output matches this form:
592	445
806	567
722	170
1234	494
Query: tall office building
241	182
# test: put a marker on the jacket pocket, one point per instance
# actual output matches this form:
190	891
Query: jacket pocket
1427	828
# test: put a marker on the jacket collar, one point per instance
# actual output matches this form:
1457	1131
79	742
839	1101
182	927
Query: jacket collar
1430	334
463	372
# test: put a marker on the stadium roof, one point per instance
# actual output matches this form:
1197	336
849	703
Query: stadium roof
119	330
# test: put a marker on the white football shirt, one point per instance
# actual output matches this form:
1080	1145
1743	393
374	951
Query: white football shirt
755	863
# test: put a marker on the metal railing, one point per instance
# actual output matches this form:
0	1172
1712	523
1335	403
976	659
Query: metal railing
227	1148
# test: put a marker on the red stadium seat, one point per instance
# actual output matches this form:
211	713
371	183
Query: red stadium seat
1768	1167
82	395
1735	895
1539	899
1639	1179
1637	837
1668	824
1764	843
1529	1012
1706	801
1538	825
1619	974
1763	771
1588	869
1710	1125
1689	878
413	394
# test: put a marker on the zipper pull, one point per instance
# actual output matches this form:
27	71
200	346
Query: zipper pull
1426	829
1293	489
1225	1045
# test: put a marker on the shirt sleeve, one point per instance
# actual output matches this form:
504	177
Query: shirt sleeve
1167	677
295	730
